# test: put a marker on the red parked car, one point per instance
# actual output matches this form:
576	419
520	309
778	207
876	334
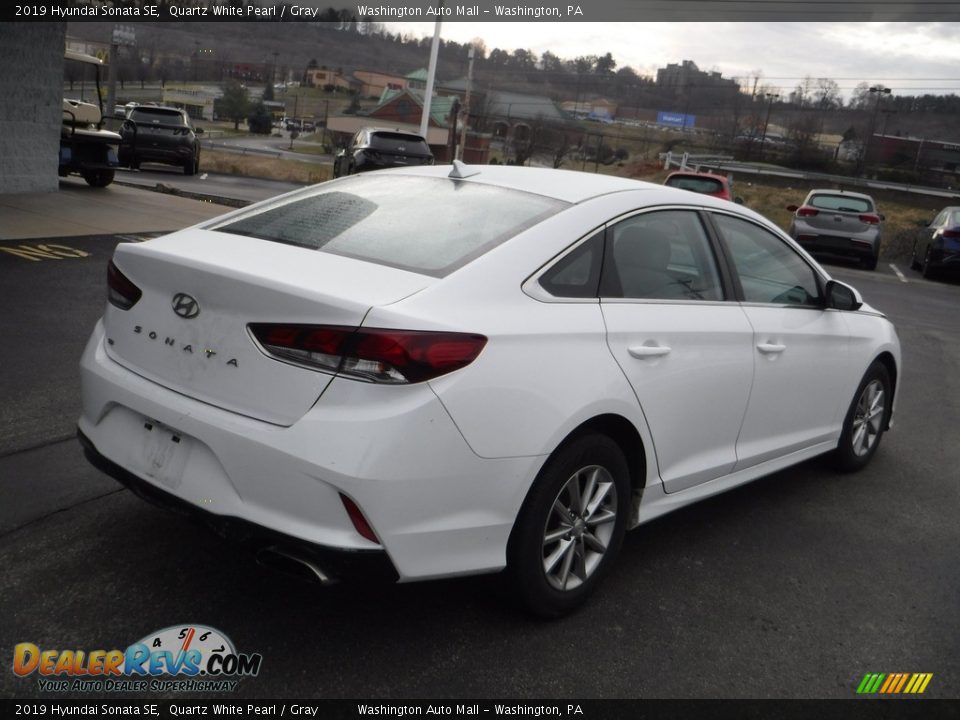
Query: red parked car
703	182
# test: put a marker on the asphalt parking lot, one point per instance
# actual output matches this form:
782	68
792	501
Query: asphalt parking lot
793	586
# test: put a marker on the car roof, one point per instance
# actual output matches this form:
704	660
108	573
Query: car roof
144	106
570	186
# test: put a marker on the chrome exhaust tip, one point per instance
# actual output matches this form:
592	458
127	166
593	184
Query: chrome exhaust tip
292	564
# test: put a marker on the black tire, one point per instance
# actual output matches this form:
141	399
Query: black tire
98	178
926	269
870	263
190	166
914	263
855	450
589	455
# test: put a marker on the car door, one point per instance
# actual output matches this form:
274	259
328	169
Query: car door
685	348
800	350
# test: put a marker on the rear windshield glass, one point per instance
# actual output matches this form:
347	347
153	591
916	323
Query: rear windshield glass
696	184
157	115
426	225
396	142
843	203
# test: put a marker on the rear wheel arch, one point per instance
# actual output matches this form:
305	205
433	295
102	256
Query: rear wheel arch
625	434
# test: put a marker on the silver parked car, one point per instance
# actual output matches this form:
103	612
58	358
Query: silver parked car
840	224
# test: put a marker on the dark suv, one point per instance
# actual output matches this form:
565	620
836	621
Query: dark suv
162	135
375	149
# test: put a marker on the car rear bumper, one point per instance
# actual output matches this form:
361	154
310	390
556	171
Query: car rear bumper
338	563
837	246
436	507
945	259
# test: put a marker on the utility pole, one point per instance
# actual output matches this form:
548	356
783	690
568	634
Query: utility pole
431	76
880	92
770	97
123	35
465	110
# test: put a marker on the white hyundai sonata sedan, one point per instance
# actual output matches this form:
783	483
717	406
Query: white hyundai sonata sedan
446	370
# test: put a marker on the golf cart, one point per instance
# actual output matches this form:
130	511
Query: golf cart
85	147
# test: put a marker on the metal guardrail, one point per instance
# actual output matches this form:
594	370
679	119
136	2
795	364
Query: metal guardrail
723	163
240	150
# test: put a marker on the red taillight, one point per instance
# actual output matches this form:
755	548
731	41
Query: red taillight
120	291
870	219
807	211
360	523
376	355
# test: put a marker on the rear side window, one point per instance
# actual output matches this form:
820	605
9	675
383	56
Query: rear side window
696	184
843	203
397	142
426	225
578	274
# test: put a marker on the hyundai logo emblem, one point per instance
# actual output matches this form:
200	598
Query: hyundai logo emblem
186	306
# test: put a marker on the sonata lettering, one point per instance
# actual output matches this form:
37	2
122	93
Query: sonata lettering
171	342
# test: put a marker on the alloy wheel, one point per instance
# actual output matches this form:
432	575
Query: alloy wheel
579	527
868	418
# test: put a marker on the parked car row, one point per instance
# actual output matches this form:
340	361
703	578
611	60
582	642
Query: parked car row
840	224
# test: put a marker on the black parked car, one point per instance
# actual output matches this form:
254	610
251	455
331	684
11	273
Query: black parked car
938	249
376	148
162	135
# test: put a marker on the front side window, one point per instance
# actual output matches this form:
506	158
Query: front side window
663	255
770	270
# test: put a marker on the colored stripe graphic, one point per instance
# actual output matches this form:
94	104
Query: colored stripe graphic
894	683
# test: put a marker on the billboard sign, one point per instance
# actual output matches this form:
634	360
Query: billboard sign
675	119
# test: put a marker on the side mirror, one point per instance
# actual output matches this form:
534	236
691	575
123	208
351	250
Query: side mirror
840	296
793	208
738	200
198	131
881	216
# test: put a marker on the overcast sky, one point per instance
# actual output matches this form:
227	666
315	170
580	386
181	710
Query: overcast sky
911	58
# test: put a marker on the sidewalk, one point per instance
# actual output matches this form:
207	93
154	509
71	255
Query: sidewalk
78	209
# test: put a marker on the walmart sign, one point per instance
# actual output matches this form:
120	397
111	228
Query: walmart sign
673	119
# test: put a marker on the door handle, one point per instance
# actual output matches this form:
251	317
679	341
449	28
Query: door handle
648	351
771	348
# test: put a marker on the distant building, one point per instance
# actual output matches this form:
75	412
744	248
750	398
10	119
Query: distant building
937	157
373	83
687	74
196	100
401	110
598	109
323	77
417	80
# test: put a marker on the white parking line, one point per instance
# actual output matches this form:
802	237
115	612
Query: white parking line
899	274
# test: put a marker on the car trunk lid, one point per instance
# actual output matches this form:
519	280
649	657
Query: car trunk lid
200	291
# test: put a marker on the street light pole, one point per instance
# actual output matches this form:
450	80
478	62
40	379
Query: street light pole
880	92
770	97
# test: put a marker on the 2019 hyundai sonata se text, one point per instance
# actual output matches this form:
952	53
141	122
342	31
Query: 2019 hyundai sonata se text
446	370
